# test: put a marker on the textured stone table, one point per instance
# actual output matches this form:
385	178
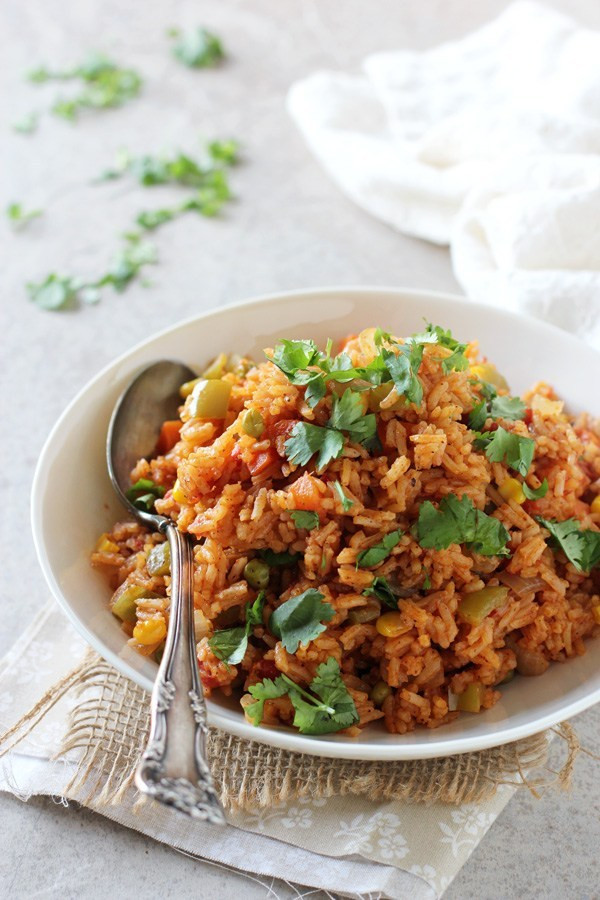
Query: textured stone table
290	228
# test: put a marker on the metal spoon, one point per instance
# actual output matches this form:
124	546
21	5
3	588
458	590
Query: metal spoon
173	767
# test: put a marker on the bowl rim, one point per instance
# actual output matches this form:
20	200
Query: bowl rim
281	737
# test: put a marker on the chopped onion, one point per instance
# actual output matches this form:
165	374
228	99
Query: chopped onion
452	701
521	585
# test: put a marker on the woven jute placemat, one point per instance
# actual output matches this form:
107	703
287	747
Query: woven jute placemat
109	724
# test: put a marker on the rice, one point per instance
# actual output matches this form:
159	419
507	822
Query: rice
426	452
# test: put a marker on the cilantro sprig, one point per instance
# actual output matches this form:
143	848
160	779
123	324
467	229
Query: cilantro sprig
374	555
104	84
459	522
580	545
300	619
537	493
346	502
505	446
230	644
327	708
327	442
493	406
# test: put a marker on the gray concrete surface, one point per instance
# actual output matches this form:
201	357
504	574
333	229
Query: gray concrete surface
289	228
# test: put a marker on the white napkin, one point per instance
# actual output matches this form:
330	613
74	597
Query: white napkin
491	144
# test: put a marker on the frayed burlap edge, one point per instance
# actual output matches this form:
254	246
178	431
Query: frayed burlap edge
109	724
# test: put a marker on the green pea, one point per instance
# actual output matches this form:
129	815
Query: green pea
252	423
256	573
379	692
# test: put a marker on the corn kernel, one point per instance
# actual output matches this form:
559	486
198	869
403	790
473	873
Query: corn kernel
596	614
105	545
178	495
392	624
595	507
511	489
150	631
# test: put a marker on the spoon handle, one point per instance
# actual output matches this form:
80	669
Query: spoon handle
173	767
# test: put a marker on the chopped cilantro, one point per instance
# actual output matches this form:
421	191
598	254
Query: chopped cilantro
105	84
197	48
230	644
378	552
305	440
348	414
226	152
380	589
346	502
459	522
426	580
272	558
328	709
434	334
17	216
54	292
299	620
495	407
403	368
580	545
504	446
27	124
305	519
538	493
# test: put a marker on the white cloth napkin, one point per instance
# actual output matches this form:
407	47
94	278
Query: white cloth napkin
347	845
490	144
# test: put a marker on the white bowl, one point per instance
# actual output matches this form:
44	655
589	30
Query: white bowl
72	500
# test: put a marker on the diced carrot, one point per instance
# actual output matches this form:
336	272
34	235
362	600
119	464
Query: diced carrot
306	494
168	437
263	461
280	432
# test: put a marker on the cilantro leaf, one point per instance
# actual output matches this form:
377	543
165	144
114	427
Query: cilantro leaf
380	589
459	522
127	263
346	502
305	440
225	152
272	558
511	408
298	620
305	519
54	292
198	48
17	216
403	368
316	388
378	552
348	414
336	709
580	545
292	356
504	446
230	644
537	493
495	407
264	690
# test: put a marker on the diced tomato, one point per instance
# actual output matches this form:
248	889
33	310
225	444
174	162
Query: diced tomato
168	437
306	494
280	432
528	417
264	668
263	461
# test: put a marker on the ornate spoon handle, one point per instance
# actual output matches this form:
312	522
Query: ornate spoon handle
173	766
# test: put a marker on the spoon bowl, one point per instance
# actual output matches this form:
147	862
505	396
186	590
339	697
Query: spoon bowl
173	767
